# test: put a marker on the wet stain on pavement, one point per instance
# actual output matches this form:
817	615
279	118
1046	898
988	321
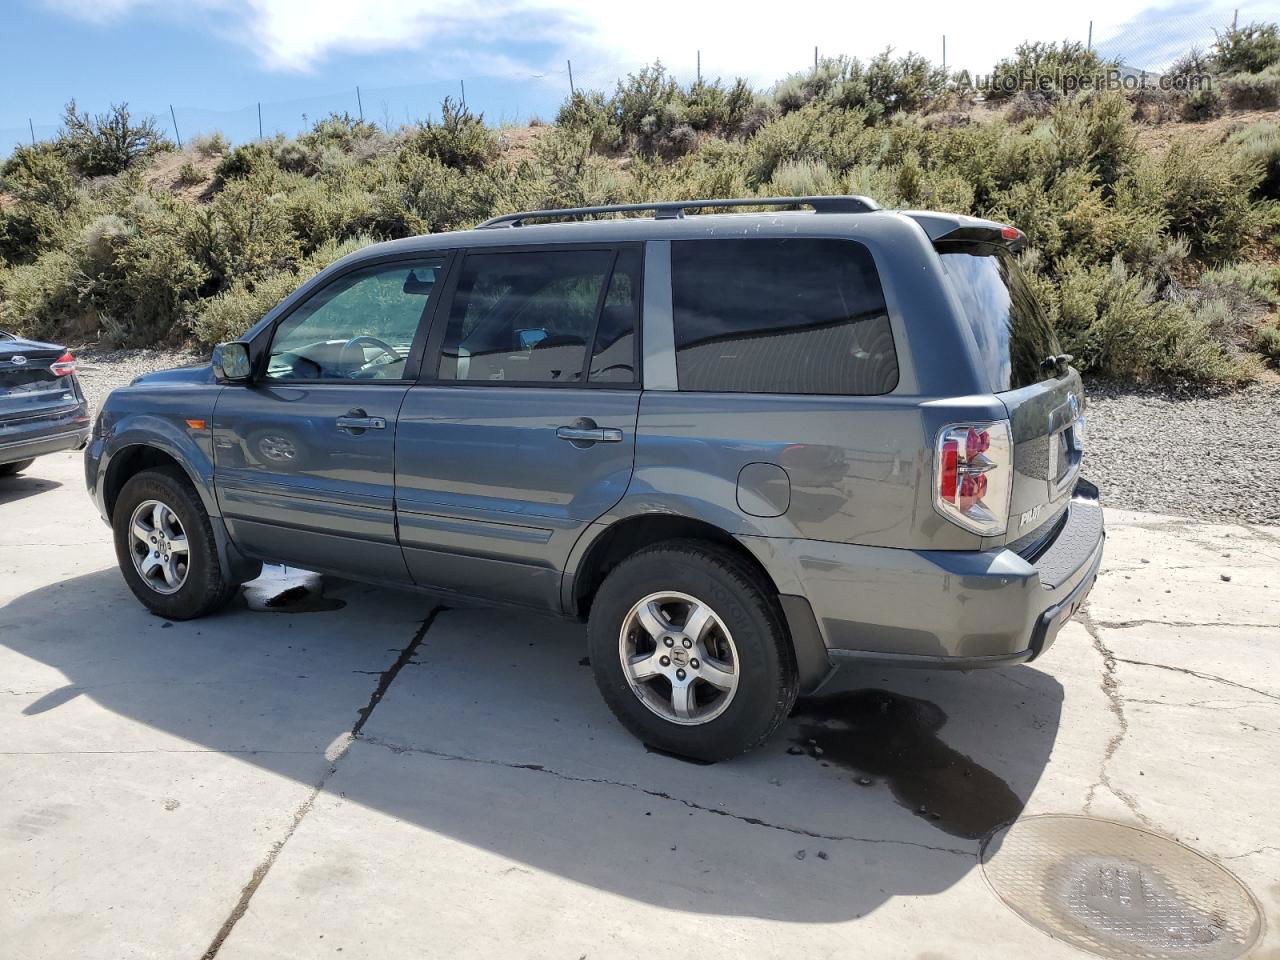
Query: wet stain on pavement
893	739
302	600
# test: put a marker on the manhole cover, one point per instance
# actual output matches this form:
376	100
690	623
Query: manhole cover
1118	891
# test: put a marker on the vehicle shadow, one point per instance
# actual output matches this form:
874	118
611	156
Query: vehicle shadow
23	485
491	733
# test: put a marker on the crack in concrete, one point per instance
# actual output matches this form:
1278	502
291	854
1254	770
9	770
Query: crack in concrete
1211	677
1115	701
660	795
362	715
1251	853
1125	624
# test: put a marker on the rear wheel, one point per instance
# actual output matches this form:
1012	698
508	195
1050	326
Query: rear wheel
9	469
690	652
166	548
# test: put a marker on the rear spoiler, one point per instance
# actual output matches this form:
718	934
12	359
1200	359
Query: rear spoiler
953	226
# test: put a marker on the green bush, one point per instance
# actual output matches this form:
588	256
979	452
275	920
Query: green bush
247	159
1048	68
460	139
1247	49
1202	104
189	175
42	298
1206	197
1260	146
1114	324
230	314
1266	340
1254	91
108	143
209	145
591	114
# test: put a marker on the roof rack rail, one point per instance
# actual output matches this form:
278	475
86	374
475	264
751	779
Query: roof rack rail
674	209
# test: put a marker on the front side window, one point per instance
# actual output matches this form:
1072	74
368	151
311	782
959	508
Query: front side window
788	315
531	317
359	327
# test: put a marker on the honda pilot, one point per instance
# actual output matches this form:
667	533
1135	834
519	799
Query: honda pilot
744	448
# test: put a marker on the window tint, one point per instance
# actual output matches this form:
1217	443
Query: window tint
1012	333
613	357
359	327
527	317
780	316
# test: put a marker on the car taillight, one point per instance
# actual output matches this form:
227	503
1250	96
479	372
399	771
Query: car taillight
64	365
973	476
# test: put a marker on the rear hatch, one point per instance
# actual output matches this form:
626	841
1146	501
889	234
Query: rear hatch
30	390
1026	369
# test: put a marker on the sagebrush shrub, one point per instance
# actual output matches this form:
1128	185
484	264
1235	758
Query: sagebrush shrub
1254	91
1248	49
209	145
108	143
459	140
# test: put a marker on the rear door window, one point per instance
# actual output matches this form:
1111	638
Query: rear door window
1013	335
538	316
785	315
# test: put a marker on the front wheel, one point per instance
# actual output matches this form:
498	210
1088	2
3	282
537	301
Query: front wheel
166	548
690	652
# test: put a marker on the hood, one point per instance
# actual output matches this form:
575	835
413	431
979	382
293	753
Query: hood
199	374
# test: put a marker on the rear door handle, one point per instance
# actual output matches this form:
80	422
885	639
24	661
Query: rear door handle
586	435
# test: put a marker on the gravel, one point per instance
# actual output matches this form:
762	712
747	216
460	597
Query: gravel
1185	451
101	371
1175	450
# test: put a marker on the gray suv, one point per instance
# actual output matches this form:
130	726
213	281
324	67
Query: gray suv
744	448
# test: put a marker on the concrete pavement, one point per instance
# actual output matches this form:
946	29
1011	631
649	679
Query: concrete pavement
380	777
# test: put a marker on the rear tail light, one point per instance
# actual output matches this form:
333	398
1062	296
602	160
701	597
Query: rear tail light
64	366
973	476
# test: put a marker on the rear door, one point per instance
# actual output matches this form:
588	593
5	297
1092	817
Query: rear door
304	454
523	429
1045	403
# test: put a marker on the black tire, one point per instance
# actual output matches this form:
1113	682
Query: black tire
744	602
9	469
207	585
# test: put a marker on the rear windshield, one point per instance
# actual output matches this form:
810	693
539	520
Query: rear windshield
1013	335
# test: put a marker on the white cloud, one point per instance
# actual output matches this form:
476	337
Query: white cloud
762	42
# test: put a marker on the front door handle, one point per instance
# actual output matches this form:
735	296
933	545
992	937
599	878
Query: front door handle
584	432
357	422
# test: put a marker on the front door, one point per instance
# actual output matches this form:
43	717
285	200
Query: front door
304	454
523	429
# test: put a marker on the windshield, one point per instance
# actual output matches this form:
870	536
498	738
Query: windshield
1014	337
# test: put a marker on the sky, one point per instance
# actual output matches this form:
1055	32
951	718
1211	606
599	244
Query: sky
213	61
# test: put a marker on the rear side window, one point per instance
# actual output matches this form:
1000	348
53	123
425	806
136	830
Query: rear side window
1013	335
793	315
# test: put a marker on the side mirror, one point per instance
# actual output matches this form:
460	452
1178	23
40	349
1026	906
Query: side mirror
231	362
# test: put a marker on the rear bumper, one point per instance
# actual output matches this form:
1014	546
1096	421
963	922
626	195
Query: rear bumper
944	609
24	448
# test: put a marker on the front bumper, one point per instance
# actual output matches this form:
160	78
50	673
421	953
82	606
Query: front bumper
938	608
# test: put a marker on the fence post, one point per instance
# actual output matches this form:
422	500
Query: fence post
571	90
699	66
33	131
1089	45
463	85
944	53
176	134
360	103
815	57
259	119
